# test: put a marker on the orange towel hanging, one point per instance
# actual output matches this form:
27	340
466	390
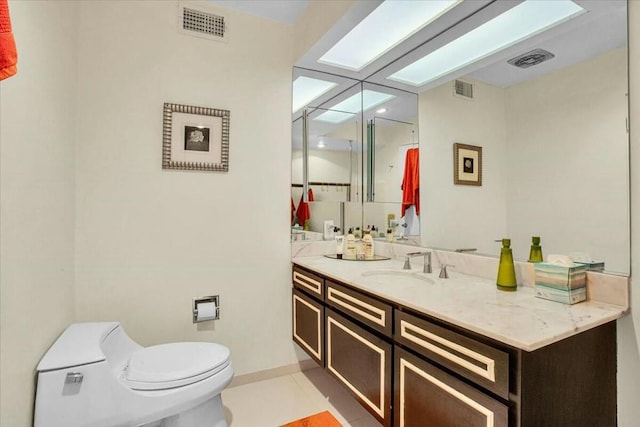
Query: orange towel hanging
8	52
411	181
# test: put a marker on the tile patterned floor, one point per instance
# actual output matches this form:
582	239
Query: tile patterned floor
277	401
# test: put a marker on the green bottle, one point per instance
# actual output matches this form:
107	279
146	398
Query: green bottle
535	255
506	271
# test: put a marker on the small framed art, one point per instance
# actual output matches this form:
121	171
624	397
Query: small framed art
195	138
467	164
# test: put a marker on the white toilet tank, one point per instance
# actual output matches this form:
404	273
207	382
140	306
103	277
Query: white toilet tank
74	374
82	381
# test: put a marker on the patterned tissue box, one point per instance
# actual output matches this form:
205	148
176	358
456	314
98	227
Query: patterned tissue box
567	285
592	266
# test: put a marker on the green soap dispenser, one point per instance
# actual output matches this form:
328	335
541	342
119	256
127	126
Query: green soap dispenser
506	271
535	255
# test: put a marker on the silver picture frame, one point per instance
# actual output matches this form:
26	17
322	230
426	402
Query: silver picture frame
195	138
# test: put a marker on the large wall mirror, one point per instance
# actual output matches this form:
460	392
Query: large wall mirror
550	113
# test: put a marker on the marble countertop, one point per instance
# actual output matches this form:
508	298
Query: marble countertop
518	319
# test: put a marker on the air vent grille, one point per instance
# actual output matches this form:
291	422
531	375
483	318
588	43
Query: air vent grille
463	89
203	24
531	58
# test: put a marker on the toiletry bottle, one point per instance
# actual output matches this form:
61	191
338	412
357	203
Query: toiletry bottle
506	271
389	235
351	245
357	234
368	245
535	255
339	242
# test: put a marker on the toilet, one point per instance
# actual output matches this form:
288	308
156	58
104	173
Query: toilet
94	375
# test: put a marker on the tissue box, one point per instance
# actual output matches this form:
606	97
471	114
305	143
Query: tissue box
592	266
560	283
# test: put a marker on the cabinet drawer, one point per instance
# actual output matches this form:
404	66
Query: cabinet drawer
427	396
485	365
370	311
311	283
362	362
308	325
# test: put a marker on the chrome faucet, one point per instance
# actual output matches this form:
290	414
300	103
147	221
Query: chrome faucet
427	261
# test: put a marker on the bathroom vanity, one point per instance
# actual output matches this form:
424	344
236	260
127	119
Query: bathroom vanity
416	350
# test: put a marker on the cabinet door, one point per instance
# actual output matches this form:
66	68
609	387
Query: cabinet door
308	325
426	396
362	362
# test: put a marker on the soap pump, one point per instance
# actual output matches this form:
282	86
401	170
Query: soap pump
535	254
506	280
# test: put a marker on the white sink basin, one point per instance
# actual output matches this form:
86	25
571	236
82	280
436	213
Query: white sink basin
404	276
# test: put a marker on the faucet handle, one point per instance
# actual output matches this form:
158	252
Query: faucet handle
443	271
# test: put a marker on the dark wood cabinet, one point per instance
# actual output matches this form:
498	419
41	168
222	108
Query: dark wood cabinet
426	396
483	364
571	382
308	313
362	362
410	369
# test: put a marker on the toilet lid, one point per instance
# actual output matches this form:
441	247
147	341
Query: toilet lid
174	365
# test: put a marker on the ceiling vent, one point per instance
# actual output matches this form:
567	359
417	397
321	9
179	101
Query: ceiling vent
462	89
198	22
531	58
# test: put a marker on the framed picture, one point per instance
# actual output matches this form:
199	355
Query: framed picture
467	164
195	138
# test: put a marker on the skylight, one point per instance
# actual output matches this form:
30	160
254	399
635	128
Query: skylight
383	29
518	23
346	109
306	89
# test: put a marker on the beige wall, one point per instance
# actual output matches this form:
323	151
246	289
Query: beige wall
37	192
629	327
149	240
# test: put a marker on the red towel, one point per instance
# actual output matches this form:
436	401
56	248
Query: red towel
8	53
293	210
304	213
411	181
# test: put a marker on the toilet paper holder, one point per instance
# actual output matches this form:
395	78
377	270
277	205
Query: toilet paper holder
215	299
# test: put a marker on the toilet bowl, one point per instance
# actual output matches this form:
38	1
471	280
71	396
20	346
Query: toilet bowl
94	375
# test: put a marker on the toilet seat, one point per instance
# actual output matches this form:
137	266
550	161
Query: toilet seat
174	365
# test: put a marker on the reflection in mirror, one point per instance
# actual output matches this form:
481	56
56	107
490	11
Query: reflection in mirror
393	168
331	158
550	145
332	168
553	131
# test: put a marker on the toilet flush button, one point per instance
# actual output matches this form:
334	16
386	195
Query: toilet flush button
74	378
